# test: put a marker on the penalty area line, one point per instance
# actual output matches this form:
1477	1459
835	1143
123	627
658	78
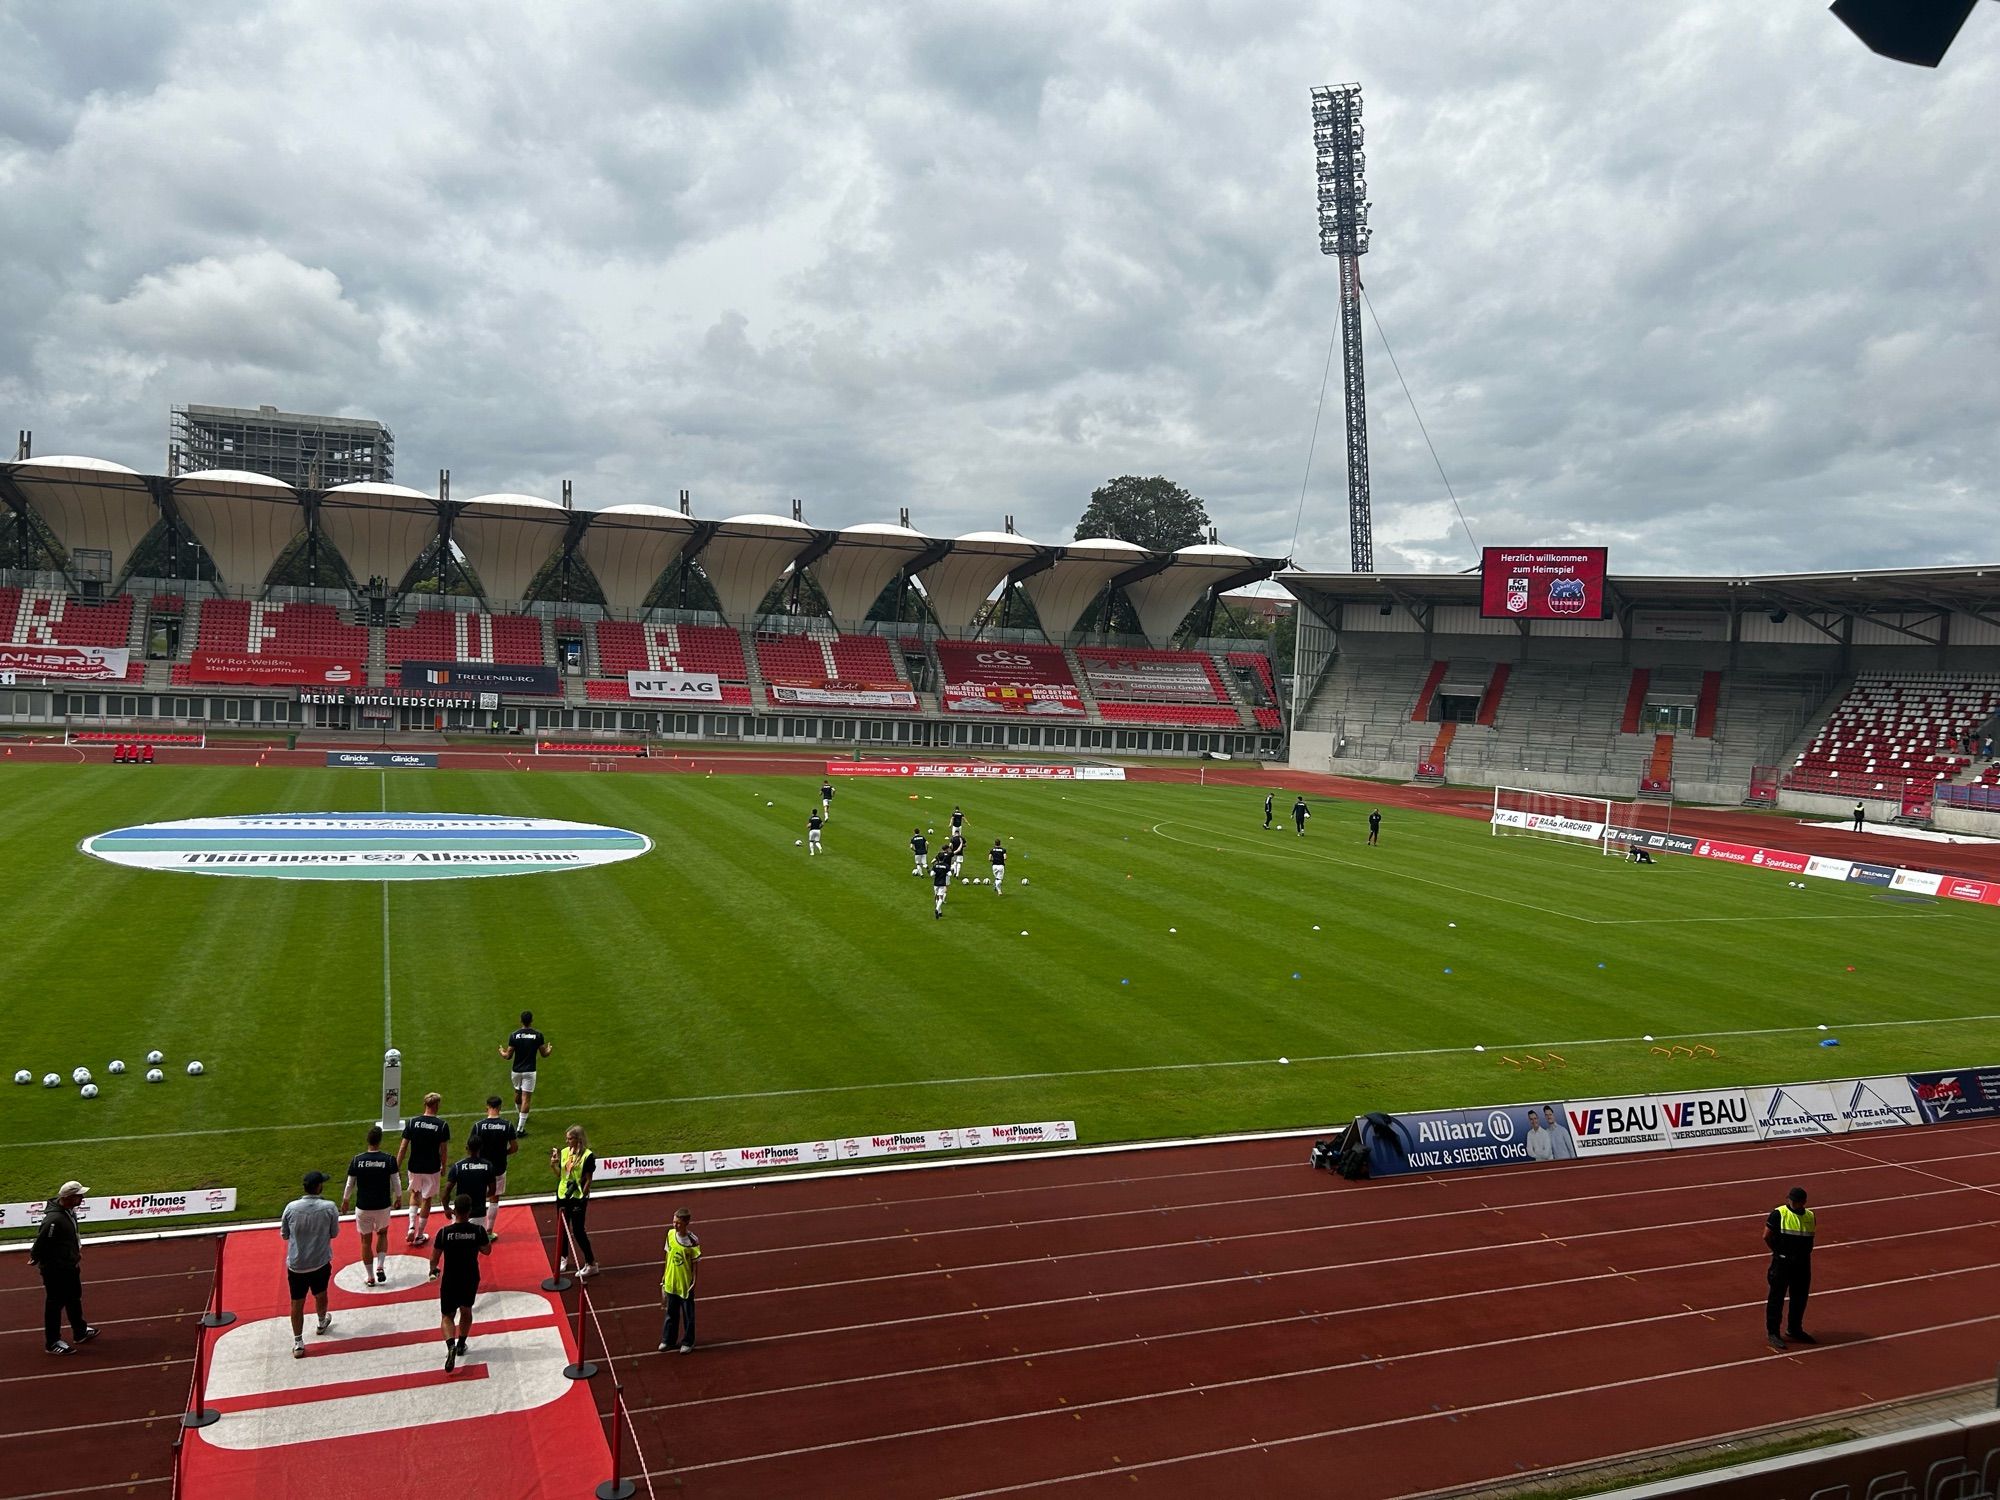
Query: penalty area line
1479	895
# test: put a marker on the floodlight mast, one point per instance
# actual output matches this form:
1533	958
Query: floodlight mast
1344	232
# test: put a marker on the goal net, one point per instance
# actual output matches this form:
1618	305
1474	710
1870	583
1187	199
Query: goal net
1520	813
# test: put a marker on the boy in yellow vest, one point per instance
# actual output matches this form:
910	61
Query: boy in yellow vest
677	1286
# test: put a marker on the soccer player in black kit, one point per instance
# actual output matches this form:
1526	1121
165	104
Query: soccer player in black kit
527	1047
1267	808
495	1140
424	1138
1300	812
826	799
920	849
375	1188
470	1180
815	820
957	822
1375	827
455	1256
997	857
940	881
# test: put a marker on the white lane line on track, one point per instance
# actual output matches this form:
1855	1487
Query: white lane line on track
1486	895
1389	1221
1416	1182
1328	1314
1458	1412
1481	1210
1070	1409
1538	1242
127	1485
72	1371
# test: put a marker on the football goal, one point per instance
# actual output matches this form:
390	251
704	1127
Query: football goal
1614	827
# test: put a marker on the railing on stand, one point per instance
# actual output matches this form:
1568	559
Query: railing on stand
197	1412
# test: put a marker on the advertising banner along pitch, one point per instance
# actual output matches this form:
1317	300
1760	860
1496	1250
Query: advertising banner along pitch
1965	1094
123	1208
1444	1140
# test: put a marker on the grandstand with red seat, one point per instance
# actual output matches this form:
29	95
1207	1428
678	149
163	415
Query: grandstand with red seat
43	616
627	646
275	642
995	677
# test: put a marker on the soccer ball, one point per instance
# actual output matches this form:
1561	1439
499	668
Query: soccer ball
79	1075
90	1091
24	1076
797	842
194	1070
156	1057
1024	880
154	1075
116	1066
51	1081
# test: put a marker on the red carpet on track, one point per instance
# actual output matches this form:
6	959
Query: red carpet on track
371	1402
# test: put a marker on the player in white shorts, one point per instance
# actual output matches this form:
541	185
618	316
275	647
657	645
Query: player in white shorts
375	1188
920	852
813	825
424	1139
997	855
527	1047
956	849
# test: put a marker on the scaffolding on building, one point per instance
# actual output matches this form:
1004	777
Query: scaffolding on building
306	452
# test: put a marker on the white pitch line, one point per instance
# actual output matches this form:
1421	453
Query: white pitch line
974	1079
1444	885
388	1031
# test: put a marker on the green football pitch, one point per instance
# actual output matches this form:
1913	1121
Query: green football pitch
1155	954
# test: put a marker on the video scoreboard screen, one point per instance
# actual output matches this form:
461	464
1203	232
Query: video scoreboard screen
1542	583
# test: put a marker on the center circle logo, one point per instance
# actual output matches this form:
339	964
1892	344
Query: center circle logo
1501	1125
366	846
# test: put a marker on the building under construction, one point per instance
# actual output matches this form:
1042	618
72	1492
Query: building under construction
307	452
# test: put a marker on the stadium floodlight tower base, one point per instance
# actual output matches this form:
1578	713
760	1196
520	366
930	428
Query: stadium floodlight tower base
1522	813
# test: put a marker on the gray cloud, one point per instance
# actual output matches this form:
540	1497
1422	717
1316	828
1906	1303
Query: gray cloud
1714	286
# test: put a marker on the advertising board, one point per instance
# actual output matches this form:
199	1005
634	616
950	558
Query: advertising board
1542	583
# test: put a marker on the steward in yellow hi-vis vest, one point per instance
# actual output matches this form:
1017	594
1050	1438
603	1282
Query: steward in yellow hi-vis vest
1789	1233
677	1285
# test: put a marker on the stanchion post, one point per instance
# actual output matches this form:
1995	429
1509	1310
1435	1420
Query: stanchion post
213	1316
558	1281
617	1487
583	1369
199	1412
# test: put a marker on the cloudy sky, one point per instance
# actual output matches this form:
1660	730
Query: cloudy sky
1707	282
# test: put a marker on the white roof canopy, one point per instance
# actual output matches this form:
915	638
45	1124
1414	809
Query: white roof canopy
1164	599
628	547
380	530
507	538
1062	593
746	557
960	582
87	502
853	574
244	520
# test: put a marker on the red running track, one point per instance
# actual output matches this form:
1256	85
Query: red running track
1156	1322
1221	1318
103	1421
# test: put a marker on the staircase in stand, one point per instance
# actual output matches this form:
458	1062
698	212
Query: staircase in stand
1496	687
1430	770
1635	700
1658	783
1432	681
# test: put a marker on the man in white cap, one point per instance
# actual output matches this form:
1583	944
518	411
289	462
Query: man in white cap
309	1225
58	1255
